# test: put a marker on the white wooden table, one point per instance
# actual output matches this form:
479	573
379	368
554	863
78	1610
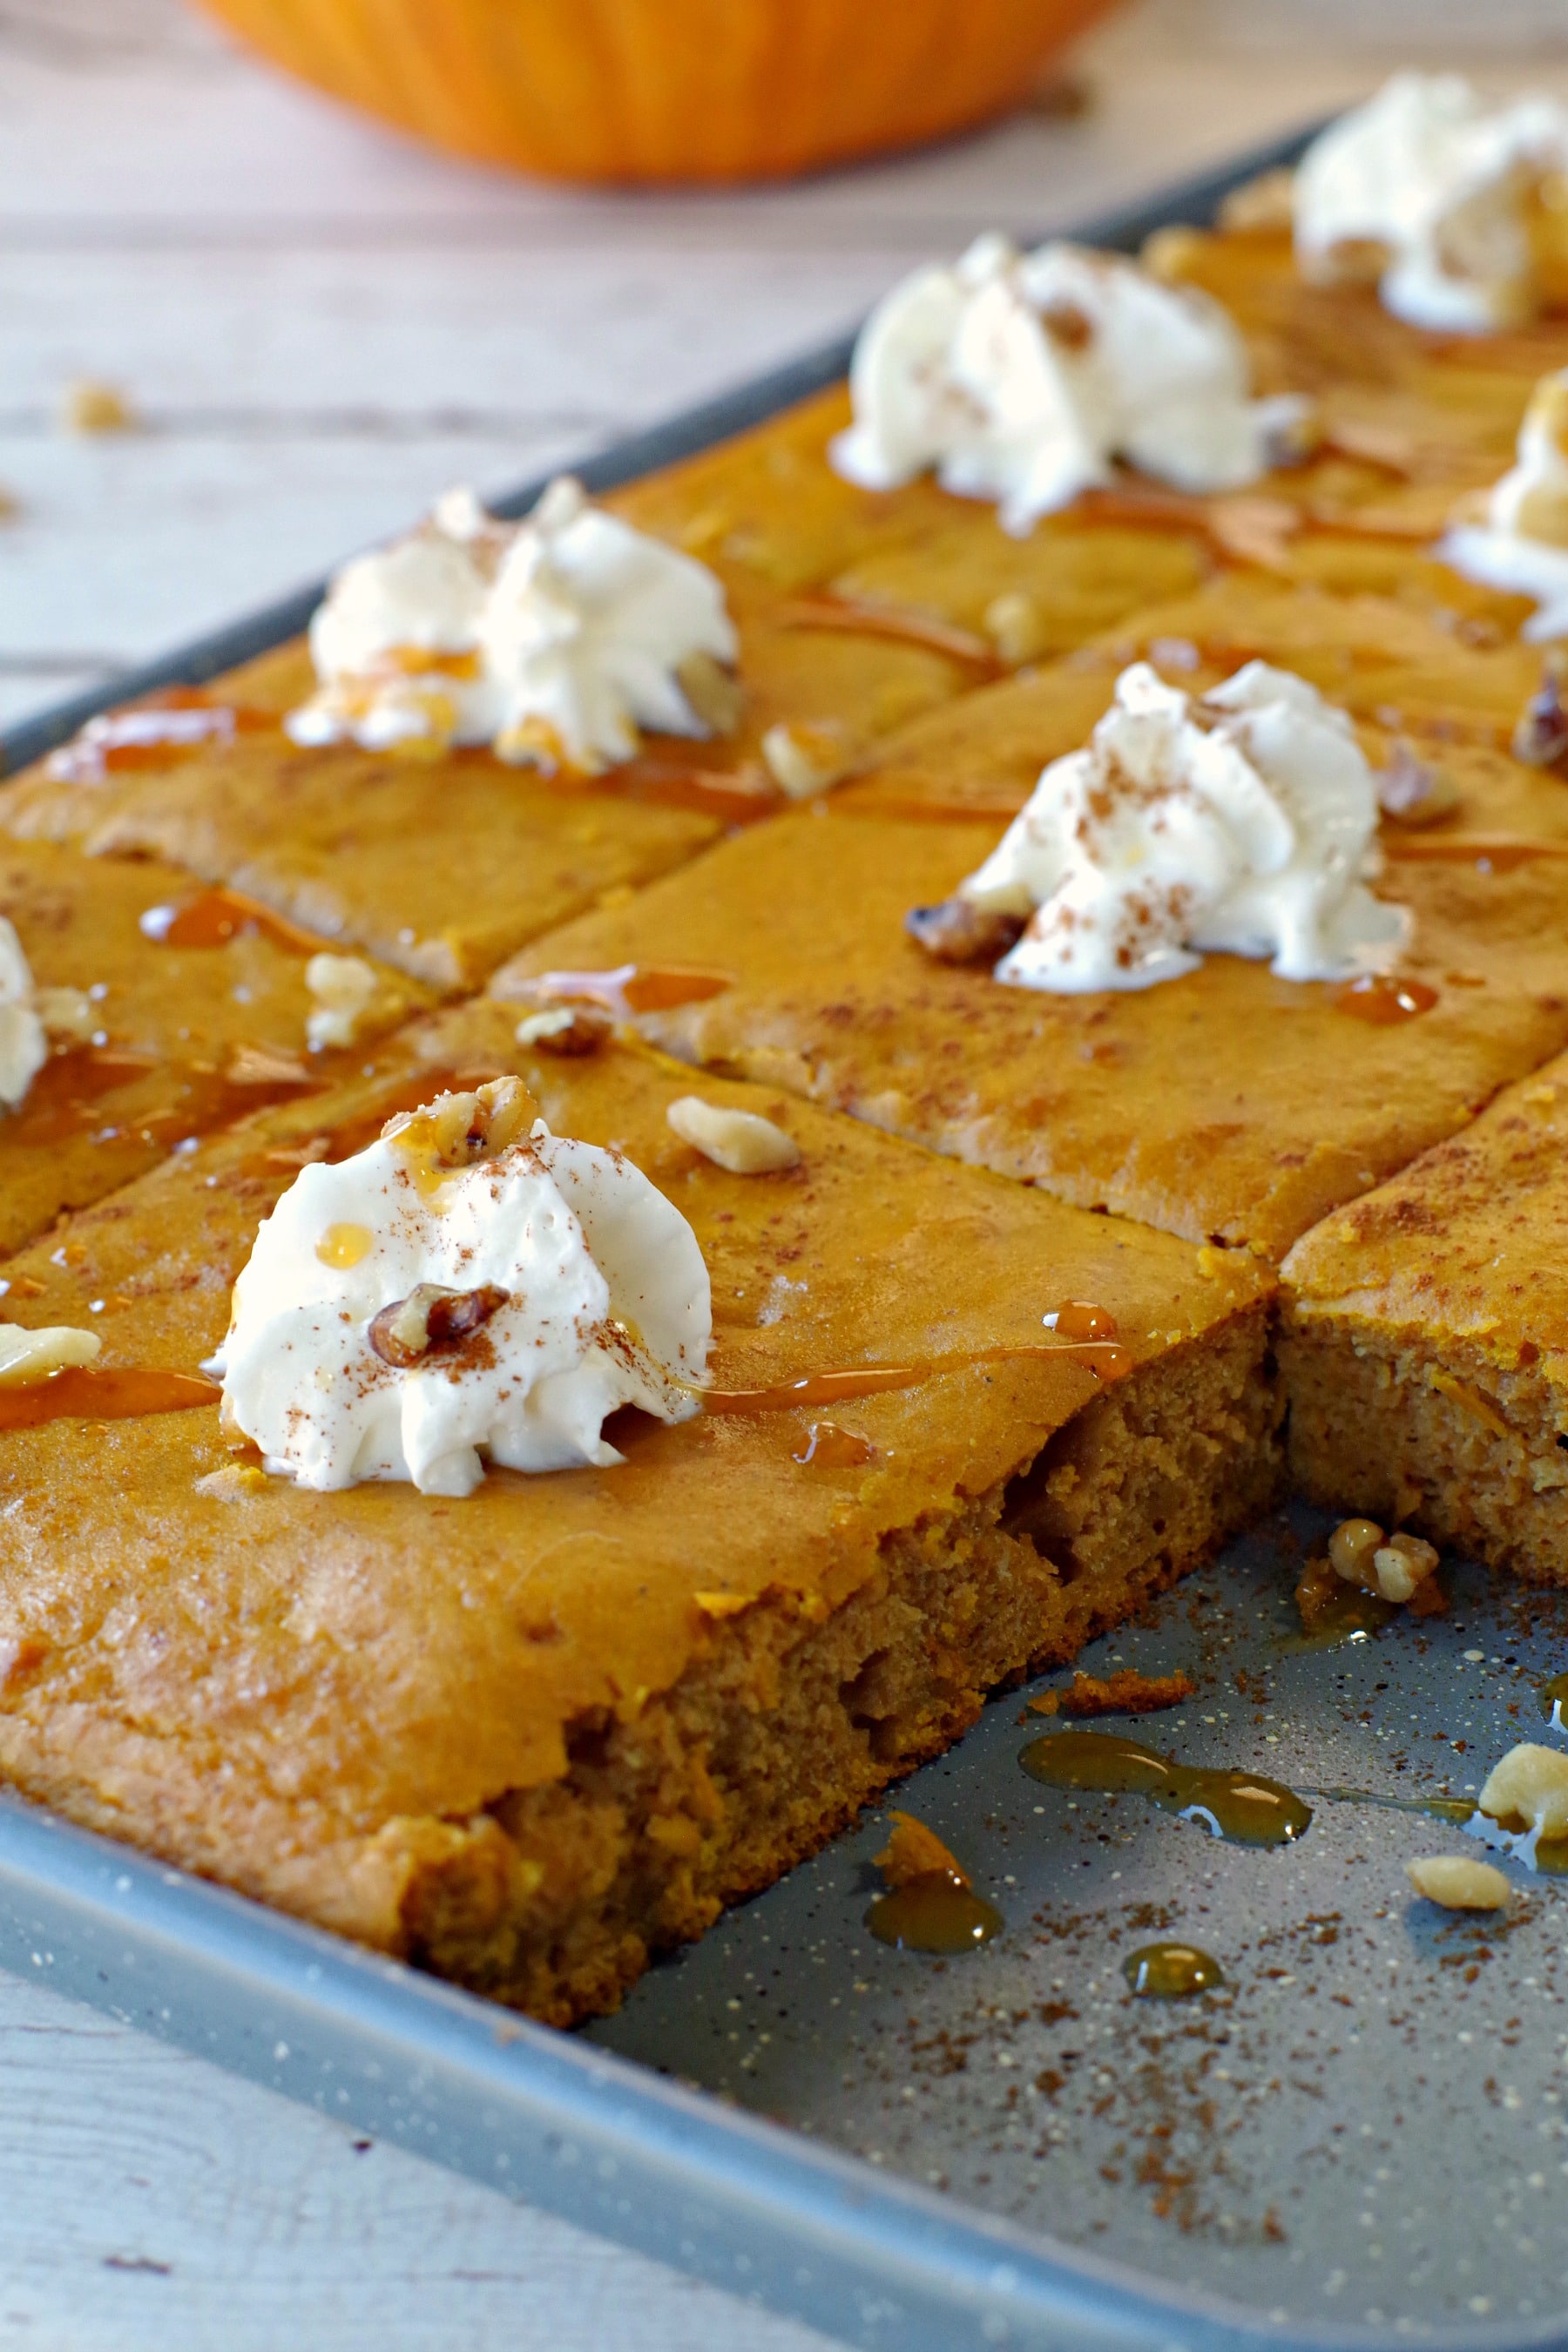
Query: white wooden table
318	328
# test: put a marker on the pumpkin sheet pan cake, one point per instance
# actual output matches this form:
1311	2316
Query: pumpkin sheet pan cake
530	1734
527	1736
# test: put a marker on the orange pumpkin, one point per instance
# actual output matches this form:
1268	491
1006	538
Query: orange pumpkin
667	89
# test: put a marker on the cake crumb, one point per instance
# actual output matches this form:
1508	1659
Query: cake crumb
235	1483
1126	1692
90	406
914	1851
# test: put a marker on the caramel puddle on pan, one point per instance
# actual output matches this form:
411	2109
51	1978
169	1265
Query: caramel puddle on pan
1244	1808
1170	1971
930	1905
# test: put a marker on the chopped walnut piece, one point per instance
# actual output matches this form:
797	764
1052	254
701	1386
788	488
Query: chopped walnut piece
1402	1564
1171	254
567	1029
459	1128
1389	1565
236	1482
1067	326
955	931
86	406
1255	530
431	1320
28	1357
1541	738
1013	626
344	987
1126	1692
738	1140
1459	1883
67	1013
714	692
805	756
1412	791
914	1851
1260	206
1529	1786
1351	1548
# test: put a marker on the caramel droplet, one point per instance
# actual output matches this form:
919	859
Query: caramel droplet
1079	1319
934	1913
828	1447
1382	1002
344	1245
1170	1971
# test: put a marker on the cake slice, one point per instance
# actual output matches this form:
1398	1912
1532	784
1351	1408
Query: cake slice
1198	1106
1425	1341
530	1738
188	1009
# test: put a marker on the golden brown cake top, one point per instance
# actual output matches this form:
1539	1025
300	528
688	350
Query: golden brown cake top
1471	1241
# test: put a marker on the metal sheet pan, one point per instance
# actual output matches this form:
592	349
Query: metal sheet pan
1361	2137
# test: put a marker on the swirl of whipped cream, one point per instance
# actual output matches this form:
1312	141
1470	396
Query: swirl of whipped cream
462	1288
1020	377
553	641
1244	824
1426	192
1522	546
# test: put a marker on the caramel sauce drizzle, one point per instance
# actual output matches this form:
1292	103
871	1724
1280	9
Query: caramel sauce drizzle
1103	1358
84	1393
216	917
1497	853
1170	1971
628	989
131	738
863	617
1383	1000
1244	1808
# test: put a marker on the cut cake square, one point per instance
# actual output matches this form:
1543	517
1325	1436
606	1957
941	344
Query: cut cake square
184	1039
1198	1106
1425	1341
530	1738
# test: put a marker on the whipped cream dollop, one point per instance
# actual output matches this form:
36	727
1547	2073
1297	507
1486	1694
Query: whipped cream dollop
555	641
1522	546
1427	192
1245	823
31	1018
470	1287
1021	376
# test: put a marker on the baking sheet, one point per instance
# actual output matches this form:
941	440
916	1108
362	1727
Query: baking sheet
1359	2137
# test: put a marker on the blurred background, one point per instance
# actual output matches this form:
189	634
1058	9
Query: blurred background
247	331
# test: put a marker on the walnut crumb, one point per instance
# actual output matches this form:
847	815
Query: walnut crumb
740	1141
1459	1883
